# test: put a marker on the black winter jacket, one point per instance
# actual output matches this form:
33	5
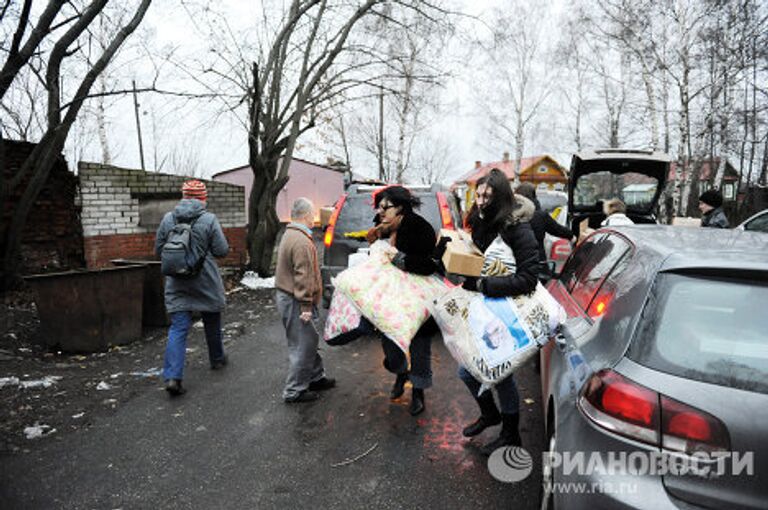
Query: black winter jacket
416	241
542	223
516	231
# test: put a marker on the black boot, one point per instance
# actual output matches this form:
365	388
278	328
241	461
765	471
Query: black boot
417	402
489	415
509	436
399	387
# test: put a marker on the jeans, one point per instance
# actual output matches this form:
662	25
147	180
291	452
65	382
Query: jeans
509	400
421	356
175	350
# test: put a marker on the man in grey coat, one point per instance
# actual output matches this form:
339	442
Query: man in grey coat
202	293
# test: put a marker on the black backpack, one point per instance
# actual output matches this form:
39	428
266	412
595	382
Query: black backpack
179	258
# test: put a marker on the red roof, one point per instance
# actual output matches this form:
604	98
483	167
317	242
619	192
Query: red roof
507	166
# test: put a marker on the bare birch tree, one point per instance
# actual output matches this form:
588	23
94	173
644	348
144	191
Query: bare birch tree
515	93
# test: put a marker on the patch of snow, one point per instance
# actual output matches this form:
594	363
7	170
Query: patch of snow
37	431
152	372
252	281
102	386
9	381
45	382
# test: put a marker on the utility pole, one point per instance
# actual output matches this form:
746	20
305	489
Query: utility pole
138	125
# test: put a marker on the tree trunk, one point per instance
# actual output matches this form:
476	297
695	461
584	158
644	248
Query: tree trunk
263	223
380	140
39	163
101	122
651	96
403	124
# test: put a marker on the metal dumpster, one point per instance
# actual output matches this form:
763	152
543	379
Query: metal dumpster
153	312
87	311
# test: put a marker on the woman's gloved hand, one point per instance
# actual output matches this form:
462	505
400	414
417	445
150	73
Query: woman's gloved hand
399	260
440	247
473	283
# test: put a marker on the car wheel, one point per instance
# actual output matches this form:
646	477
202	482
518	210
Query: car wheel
548	475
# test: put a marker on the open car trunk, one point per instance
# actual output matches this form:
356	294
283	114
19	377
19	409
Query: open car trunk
635	177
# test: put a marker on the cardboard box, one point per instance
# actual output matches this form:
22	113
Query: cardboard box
461	255
325	215
584	231
679	221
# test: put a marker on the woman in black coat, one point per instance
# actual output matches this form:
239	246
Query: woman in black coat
498	212
414	238
542	224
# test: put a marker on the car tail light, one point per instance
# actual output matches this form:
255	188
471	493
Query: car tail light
687	429
625	407
602	301
598	306
445	211
618	404
328	239
560	250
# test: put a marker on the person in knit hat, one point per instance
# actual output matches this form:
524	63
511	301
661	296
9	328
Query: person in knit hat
195	189
711	207
202	293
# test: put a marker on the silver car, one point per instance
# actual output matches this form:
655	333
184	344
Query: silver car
757	222
656	393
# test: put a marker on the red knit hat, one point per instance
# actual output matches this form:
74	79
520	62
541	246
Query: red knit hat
195	189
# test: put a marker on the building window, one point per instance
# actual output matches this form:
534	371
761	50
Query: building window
543	169
728	191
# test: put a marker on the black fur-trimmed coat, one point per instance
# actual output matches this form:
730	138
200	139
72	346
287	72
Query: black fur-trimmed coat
515	230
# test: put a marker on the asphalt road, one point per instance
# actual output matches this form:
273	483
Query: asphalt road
231	442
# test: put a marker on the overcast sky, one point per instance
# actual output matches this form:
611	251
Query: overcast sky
175	132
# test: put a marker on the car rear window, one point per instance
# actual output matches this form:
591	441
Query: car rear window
357	213
706	328
634	189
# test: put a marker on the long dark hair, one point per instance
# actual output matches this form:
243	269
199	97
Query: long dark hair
502	199
399	196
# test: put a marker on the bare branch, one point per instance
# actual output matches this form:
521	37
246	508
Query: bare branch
17	60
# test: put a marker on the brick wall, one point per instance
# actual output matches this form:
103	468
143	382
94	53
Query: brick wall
52	239
117	225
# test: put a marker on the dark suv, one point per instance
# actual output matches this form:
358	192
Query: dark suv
353	215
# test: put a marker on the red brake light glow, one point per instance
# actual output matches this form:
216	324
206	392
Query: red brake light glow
629	403
445	211
328	238
600	307
687	429
614	402
623	406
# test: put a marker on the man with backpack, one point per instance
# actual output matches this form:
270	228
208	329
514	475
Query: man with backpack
188	239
